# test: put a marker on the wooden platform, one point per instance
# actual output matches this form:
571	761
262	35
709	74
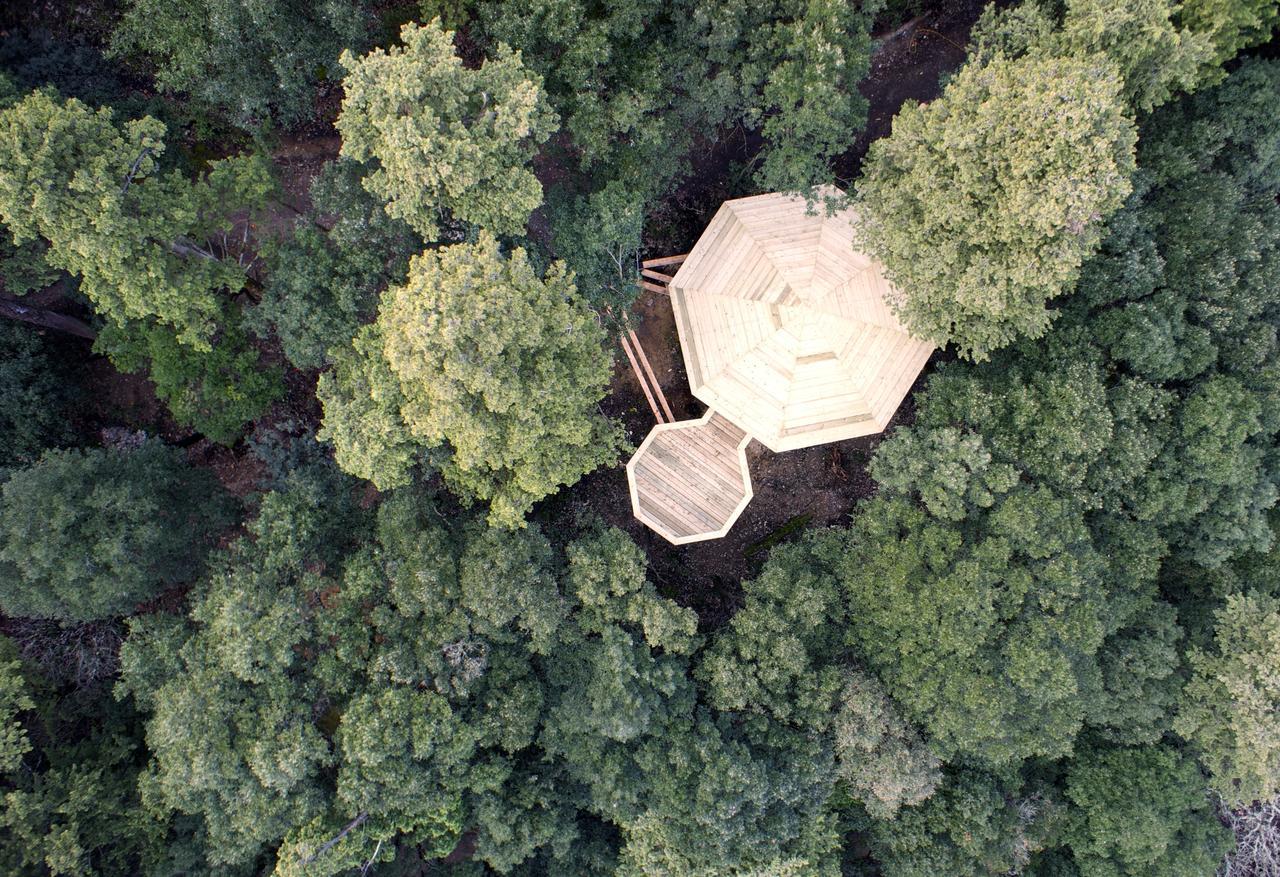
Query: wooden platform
787	329
689	480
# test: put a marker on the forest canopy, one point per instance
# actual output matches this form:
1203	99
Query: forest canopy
316	547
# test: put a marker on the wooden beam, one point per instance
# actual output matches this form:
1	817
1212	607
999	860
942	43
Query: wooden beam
665	260
656	275
648	369
652	287
635	368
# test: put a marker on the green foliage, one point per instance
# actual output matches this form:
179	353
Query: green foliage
423	679
136	236
977	204
479	353
216	392
1231	701
1141	682
719	802
953	472
255	61
779	654
810	100
445	137
1156	58
599	237
36	393
971	827
22	266
987	633
317	296
1231	25
323	284
362	398
72	805
1141	811
15	699
878	753
92	533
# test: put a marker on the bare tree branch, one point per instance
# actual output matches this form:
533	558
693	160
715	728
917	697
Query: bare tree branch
137	163
330	844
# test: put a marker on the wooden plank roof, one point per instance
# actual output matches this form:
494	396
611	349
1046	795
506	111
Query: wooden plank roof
786	328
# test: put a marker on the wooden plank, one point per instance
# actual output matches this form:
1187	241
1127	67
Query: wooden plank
652	287
653	406
664	260
656	275
648	370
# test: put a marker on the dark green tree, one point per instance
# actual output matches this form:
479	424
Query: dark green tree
216	392
86	534
37	391
324	280
1138	812
257	62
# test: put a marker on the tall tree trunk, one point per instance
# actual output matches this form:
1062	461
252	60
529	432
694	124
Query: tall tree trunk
13	309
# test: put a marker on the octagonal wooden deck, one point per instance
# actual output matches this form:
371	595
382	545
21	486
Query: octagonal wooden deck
689	480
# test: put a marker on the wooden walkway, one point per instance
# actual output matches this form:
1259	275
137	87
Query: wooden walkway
689	480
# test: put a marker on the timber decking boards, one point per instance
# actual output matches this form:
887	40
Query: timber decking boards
689	480
786	328
789	338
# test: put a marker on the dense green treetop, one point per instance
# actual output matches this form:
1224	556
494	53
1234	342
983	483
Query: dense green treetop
216	392
324	279
410	685
988	632
1232	25
137	236
37	392
445	137
479	354
983	204
1155	57
975	826
1231	701
86	534
1141	812
15	699
257	61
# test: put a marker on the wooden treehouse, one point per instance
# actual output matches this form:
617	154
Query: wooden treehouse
787	336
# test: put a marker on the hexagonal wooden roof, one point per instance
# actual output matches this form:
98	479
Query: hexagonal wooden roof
786	328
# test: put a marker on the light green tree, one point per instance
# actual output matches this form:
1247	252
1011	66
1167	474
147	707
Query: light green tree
879	753
1155	57
486	360
1232	25
1230	703
15	699
445	137
984	203
137	237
